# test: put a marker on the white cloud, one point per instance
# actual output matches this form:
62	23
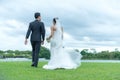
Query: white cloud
11	35
106	29
87	23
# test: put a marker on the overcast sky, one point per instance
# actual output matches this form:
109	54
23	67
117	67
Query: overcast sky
87	23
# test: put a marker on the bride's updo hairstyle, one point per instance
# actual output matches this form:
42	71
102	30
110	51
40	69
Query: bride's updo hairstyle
54	20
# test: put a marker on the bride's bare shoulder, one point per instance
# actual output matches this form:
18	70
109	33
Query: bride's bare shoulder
53	28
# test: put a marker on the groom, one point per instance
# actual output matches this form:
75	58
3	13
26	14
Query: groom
37	31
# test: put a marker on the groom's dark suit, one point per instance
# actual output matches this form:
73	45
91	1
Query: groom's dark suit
37	36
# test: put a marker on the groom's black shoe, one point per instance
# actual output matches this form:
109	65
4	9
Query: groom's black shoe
32	65
35	66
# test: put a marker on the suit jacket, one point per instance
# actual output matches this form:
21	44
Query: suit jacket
37	31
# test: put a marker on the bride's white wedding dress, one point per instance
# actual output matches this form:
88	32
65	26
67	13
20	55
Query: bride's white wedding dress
61	58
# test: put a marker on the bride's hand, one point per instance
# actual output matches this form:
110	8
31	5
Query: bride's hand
25	42
48	40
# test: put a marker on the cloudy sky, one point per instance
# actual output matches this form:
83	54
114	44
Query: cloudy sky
87	23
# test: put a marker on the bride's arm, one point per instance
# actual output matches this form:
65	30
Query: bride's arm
52	33
62	32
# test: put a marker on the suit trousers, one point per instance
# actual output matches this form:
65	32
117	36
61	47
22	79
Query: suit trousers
35	52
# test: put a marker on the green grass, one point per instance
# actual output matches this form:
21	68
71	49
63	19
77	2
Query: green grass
87	71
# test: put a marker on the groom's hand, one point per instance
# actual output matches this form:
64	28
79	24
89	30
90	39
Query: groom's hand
26	41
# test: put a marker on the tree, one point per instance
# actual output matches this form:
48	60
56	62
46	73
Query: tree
44	53
84	51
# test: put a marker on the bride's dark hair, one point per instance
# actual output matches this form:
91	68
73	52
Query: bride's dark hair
54	20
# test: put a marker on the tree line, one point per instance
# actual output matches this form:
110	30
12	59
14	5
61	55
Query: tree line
45	53
105	55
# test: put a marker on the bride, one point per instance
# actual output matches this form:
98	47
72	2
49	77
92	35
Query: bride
60	58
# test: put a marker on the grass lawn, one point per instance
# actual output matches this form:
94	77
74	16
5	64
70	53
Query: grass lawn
87	71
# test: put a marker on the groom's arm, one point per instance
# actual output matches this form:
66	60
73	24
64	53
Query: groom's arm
28	31
43	31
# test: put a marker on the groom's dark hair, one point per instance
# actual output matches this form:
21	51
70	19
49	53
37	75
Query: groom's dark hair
37	14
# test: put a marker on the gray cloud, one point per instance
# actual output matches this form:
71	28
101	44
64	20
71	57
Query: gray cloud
97	20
